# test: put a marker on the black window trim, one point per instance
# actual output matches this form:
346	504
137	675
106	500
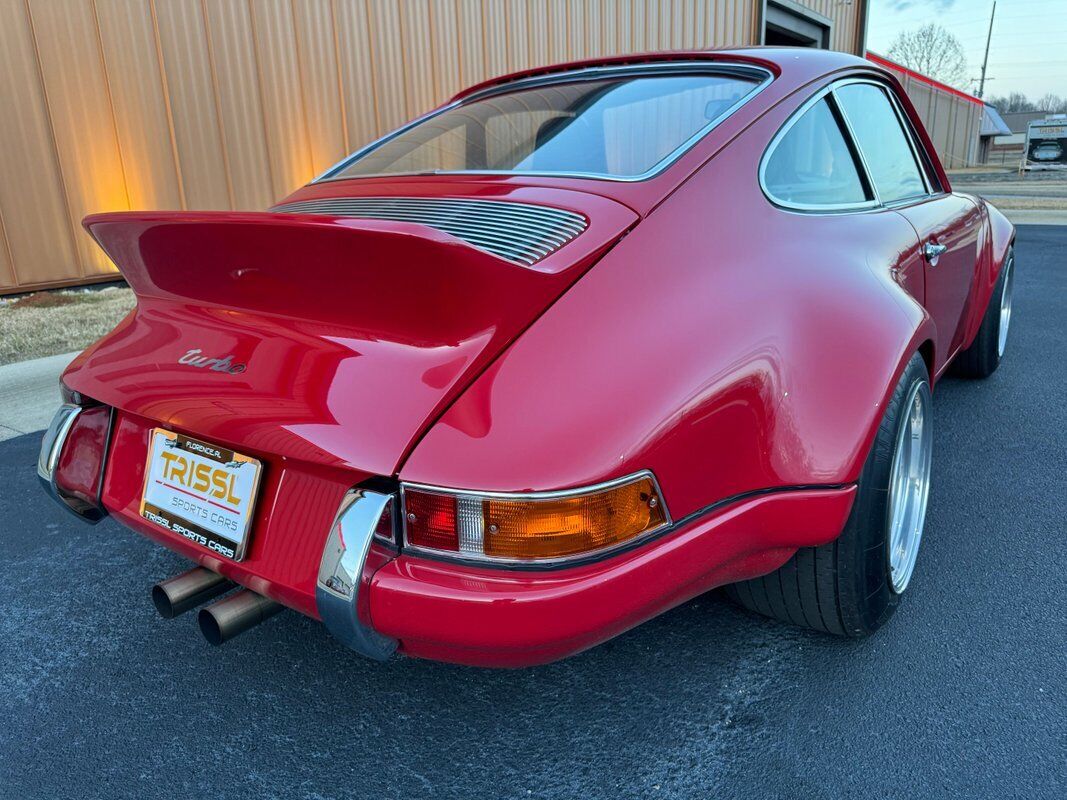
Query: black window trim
874	202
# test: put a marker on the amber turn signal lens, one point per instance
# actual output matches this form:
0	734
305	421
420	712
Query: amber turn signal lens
536	527
552	528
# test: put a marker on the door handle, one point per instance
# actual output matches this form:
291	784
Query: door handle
932	252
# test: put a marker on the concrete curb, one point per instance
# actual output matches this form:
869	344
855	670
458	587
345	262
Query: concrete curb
1035	216
29	394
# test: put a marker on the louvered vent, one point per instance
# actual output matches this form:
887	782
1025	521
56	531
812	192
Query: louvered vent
519	232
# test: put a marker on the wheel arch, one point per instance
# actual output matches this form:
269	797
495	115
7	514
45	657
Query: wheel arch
998	242
926	350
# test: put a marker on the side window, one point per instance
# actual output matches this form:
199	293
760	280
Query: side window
812	164
882	141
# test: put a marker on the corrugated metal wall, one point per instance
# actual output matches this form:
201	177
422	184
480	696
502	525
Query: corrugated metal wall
951	119
232	104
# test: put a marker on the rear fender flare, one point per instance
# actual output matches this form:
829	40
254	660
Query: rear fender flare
998	241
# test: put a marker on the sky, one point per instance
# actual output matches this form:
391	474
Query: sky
1028	52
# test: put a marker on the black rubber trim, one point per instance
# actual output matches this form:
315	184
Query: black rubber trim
622	549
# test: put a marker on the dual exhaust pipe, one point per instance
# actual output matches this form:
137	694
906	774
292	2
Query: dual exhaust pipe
221	621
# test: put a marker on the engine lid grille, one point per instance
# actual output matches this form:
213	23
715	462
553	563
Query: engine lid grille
519	232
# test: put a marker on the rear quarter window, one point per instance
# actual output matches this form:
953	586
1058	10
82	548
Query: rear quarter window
882	141
811	164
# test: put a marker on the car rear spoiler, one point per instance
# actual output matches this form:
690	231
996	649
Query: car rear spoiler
400	279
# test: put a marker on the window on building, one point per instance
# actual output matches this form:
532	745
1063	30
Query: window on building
789	24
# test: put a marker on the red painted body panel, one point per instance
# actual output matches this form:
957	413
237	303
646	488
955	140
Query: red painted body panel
511	618
994	246
954	221
353	332
736	349
721	363
297	502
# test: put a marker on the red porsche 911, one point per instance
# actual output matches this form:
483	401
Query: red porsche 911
561	354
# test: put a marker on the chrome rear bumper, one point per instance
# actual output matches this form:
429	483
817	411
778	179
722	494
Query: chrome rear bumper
340	580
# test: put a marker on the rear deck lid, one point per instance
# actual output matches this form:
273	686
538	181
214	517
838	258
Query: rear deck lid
322	335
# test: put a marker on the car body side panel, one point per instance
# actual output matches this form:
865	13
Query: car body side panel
955	222
348	334
995	233
996	238
507	618
738	347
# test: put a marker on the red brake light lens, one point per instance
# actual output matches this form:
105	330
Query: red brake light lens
535	526
430	520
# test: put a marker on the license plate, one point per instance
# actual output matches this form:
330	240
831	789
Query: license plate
201	491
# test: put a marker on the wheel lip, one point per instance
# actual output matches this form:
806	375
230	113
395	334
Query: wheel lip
907	500
1006	293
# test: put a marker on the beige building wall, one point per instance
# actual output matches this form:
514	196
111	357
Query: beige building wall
952	119
231	104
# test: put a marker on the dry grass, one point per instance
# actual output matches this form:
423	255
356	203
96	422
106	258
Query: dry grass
47	323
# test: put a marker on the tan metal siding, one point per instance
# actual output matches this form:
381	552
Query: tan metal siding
232	104
79	103
951	121
186	65
143	129
39	236
238	102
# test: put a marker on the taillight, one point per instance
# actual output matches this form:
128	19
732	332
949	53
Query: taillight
431	520
80	469
534	526
73	454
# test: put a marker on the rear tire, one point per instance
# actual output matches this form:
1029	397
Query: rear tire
982	358
851	586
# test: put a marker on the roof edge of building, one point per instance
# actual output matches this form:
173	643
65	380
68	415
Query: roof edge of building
882	61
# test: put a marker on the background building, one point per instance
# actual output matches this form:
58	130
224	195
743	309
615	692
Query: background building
232	104
1008	146
952	118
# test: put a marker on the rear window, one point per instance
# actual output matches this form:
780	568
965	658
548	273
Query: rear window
623	126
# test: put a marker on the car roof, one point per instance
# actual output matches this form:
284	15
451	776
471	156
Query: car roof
793	64
792	68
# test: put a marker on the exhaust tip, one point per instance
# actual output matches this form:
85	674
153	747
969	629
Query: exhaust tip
209	627
162	602
184	592
235	614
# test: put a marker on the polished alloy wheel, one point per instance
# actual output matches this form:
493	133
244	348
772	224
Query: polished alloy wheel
909	485
1005	305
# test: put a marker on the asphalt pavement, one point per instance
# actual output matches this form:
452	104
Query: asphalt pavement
961	695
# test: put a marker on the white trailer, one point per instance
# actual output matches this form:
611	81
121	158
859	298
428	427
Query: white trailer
1046	143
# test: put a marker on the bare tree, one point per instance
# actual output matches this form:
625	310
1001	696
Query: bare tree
933	51
1017	101
1014	102
1051	103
